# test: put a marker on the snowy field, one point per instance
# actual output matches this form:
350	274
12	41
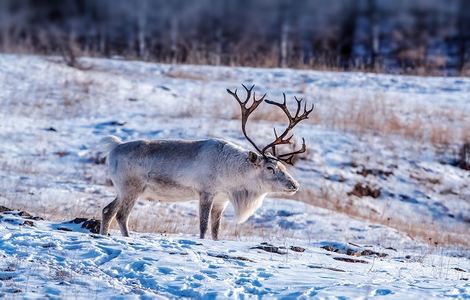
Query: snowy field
379	179
42	261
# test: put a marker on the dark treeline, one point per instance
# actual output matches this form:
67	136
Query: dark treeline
399	36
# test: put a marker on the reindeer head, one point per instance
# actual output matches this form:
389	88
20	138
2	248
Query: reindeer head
268	168
270	174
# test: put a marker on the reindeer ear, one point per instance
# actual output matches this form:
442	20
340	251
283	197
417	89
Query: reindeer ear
268	153
252	157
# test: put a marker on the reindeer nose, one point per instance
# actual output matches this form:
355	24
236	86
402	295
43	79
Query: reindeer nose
295	186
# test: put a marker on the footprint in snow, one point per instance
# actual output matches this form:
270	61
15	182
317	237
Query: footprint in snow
188	243
265	275
199	276
107	255
74	245
165	270
381	292
138	266
249	280
210	273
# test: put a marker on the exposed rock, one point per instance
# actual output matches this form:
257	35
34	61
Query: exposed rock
270	248
350	260
3	209
459	269
64	229
20	213
24	214
277	249
326	268
356	251
28	223
91	224
225	256
297	249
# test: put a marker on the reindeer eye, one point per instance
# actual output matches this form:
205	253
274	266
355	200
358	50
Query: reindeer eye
272	169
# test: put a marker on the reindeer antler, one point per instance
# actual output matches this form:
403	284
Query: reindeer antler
293	121
279	139
246	111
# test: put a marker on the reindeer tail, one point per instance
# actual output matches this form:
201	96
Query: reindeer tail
108	143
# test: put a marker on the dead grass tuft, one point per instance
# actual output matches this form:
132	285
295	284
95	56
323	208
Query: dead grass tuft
180	74
364	190
441	135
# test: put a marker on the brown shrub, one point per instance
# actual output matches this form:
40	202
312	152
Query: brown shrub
364	190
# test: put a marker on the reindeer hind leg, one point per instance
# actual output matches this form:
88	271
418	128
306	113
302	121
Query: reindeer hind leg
123	213
108	214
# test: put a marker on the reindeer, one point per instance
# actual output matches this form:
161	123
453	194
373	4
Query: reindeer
214	170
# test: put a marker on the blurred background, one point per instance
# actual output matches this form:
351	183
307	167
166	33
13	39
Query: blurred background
424	37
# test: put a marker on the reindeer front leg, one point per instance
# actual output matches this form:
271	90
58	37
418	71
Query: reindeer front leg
205	205
216	215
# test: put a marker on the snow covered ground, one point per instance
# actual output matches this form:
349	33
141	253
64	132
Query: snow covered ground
42	260
52	117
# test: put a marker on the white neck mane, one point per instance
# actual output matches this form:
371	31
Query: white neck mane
245	203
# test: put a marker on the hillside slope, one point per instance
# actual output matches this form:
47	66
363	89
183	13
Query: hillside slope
381	174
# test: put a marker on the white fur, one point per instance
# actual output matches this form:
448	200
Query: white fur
108	143
245	204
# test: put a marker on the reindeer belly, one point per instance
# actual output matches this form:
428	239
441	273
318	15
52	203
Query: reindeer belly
166	189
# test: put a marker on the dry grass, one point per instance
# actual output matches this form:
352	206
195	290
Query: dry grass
180	74
73	94
156	219
465	134
441	135
430	233
72	97
379	114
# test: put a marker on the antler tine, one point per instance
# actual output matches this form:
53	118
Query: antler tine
279	140
247	110
299	105
290	156
248	93
276	136
301	150
235	95
307	112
